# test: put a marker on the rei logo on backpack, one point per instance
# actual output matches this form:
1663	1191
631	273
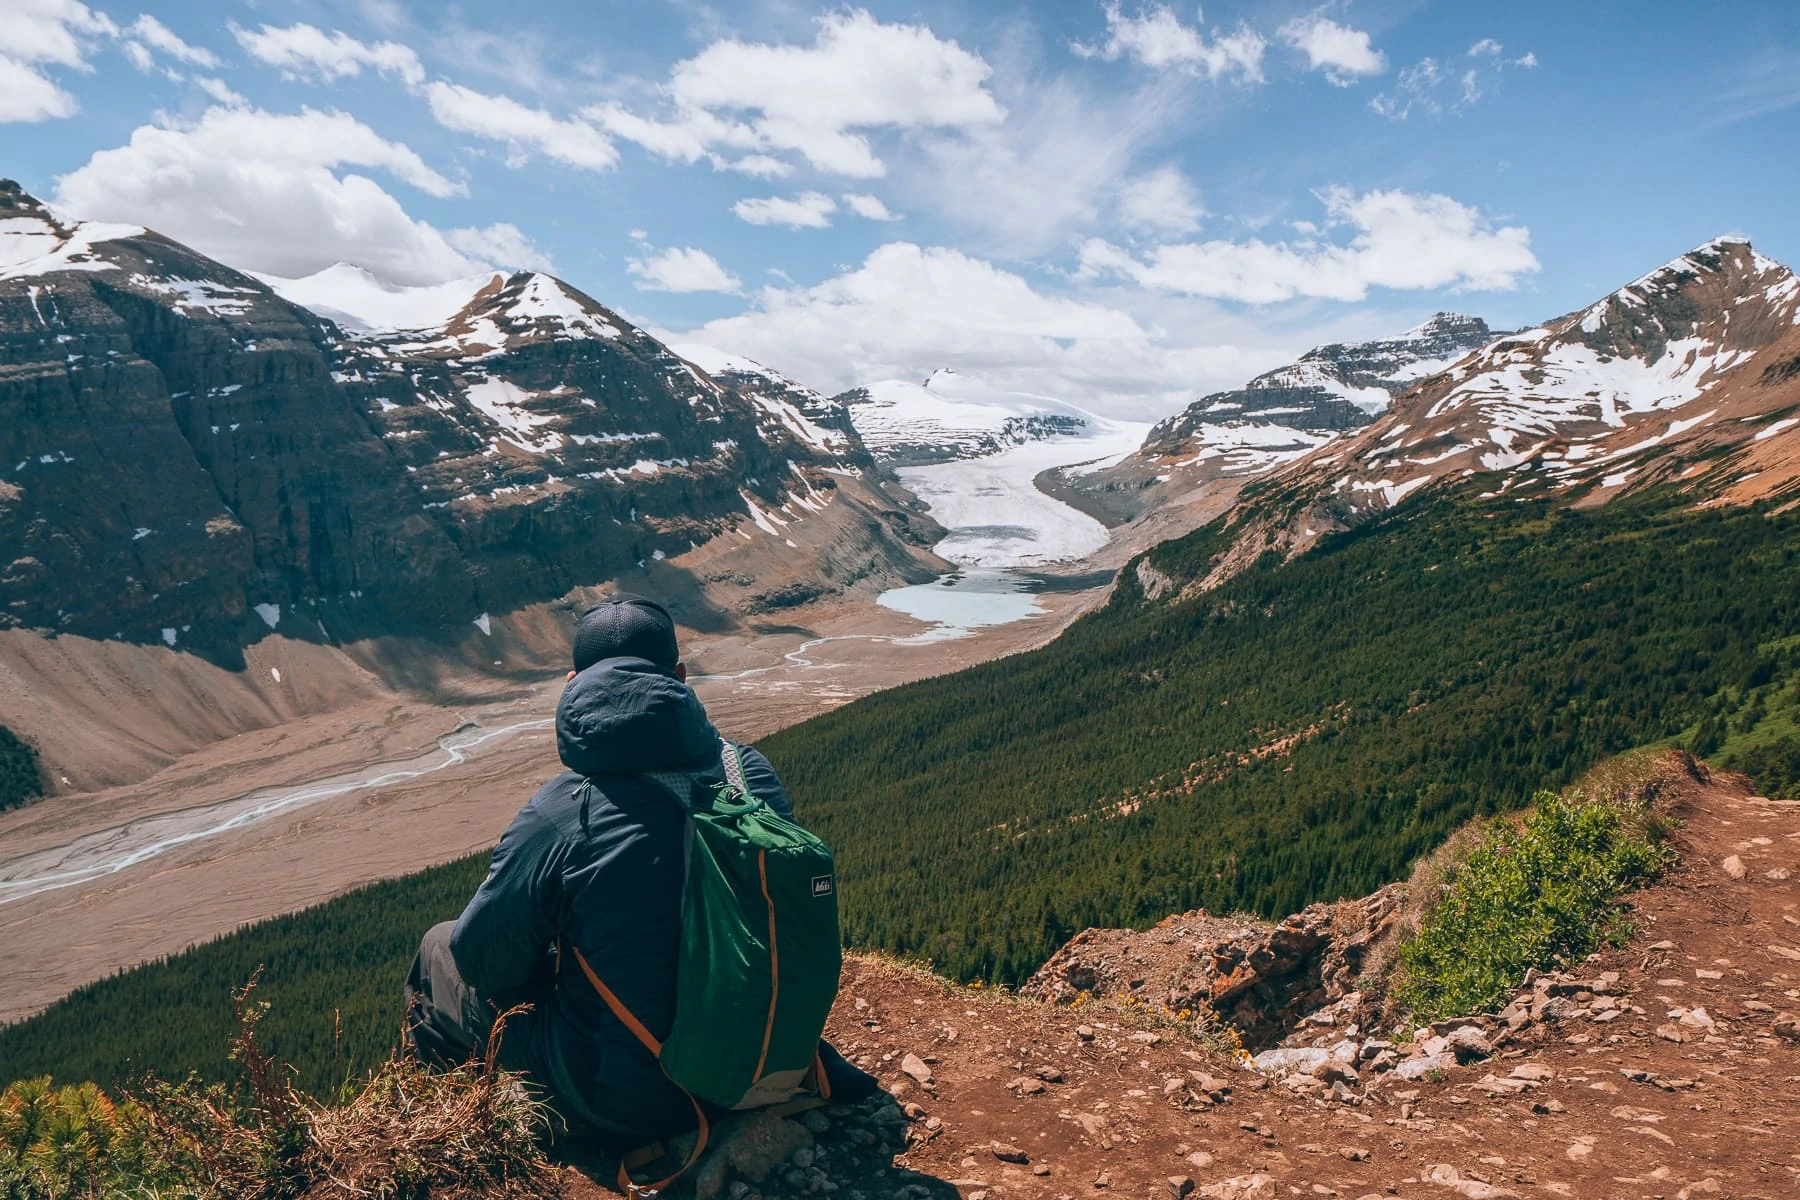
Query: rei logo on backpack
760	951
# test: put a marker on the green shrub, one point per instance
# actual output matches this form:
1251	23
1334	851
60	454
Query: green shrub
1535	890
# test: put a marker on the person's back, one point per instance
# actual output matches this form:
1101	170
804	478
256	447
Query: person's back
594	863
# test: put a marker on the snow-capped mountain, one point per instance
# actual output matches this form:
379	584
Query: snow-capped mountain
193	455
803	408
1326	391
1687	378
953	416
1689	374
1279	416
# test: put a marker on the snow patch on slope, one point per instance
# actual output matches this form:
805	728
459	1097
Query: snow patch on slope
34	246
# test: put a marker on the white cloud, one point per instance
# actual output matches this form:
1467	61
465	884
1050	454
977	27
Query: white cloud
682	269
1162	201
1054	167
1157	38
759	166
302	51
1433	88
808	210
27	94
1400	240
263	192
870	208
503	119
151	32
500	245
38	33
219	90
908	309
1344	54
817	101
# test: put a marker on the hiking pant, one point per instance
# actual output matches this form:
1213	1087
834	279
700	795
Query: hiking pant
446	1021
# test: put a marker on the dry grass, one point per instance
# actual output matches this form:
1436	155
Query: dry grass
408	1133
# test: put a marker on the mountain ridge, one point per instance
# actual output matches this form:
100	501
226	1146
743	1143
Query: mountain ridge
395	476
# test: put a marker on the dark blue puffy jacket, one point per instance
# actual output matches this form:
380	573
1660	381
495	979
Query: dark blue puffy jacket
595	859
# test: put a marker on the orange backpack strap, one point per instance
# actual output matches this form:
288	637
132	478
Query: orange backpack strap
626	1184
632	1188
618	1007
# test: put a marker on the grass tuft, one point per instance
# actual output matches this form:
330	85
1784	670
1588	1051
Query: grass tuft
473	1133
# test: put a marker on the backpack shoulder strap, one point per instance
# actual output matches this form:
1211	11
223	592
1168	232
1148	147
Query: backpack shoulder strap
733	756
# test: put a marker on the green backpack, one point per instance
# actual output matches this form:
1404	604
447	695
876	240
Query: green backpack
760	953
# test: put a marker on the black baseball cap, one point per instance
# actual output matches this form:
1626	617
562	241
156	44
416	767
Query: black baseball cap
626	626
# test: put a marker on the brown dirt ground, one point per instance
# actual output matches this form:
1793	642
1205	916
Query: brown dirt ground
1715	1116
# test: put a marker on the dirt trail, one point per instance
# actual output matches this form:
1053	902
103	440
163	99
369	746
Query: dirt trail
1095	1105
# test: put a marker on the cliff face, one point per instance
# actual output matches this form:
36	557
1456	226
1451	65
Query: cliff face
187	457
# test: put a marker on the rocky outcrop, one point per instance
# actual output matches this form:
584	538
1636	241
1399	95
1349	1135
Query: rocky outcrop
189	458
1262	978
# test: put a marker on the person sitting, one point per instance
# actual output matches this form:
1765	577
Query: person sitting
594	862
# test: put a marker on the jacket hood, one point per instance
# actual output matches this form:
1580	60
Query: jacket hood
627	716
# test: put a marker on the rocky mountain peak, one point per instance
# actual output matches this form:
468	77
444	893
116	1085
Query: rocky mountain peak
15	201
1284	413
340	457
1689	374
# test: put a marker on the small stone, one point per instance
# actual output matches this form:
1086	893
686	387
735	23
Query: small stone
1734	867
1696	1018
738	1189
933	1124
1049	1074
1468	1044
1103	1180
1703	973
1086	1034
815	1121
802	1158
1354	1153
1430	1064
1006	1152
1040	1169
913	1111
1556	1008
1671	1033
1787	1026
1180	1187
1199	1160
914	1067
1543	1107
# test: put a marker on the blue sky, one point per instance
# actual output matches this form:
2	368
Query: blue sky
1119	204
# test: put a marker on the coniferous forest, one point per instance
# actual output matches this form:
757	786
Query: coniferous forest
21	777
1303	732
